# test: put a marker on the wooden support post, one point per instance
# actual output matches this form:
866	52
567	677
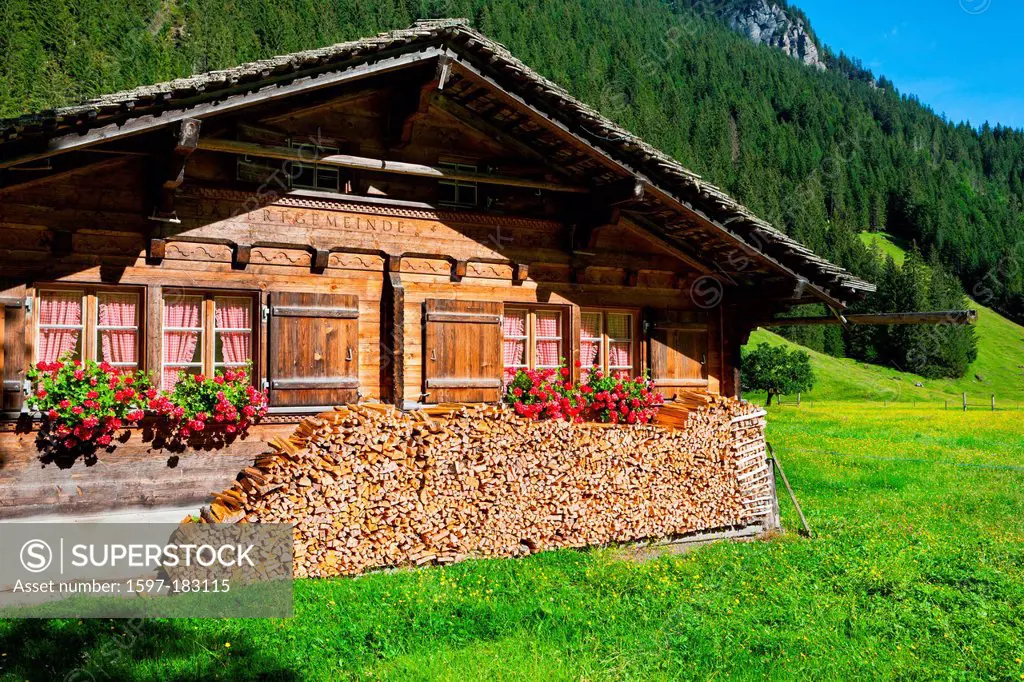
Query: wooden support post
993	402
154	331
186	140
965	401
632	278
459	269
392	345
520	272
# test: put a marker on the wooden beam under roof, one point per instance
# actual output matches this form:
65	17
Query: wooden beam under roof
381	165
954	317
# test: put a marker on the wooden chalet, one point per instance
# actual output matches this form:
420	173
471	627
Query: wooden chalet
397	218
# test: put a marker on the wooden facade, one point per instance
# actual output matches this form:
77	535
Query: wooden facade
392	218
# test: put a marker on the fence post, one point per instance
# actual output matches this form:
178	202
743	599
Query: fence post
965	401
993	402
947	403
798	398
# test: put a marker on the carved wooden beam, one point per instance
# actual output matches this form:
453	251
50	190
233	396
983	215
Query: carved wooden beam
320	259
186	142
459	269
520	272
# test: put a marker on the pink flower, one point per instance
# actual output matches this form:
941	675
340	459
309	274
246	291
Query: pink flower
79	374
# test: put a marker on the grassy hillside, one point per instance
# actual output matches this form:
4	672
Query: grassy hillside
887	244
999	368
999	364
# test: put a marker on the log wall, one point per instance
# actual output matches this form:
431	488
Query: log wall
369	487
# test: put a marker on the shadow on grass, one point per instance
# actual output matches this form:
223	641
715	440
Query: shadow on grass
104	649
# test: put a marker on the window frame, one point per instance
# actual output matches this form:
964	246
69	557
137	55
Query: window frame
89	339
208	364
459	186
315	167
531	333
606	340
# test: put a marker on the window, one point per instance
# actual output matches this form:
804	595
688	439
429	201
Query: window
91	323
532	338
204	333
606	341
311	175
457	192
304	174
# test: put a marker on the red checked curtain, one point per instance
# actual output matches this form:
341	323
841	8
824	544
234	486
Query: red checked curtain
183	332
117	324
514	330
233	320
549	338
60	324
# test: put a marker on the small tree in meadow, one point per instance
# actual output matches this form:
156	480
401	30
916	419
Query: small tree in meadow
777	371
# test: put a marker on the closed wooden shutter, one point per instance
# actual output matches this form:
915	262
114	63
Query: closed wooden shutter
12	354
679	350
313	349
462	359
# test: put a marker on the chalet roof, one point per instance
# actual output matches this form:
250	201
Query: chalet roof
712	205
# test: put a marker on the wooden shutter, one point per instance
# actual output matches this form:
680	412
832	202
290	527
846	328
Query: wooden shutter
313	349
12	354
462	360
679	350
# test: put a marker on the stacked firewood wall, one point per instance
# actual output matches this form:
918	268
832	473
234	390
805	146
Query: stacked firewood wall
370	487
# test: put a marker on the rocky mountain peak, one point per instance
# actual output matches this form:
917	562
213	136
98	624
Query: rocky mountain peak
767	23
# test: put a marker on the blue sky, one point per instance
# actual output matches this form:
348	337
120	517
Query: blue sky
964	58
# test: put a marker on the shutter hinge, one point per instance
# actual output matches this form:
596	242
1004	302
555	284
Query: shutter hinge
265	384
265	312
28	306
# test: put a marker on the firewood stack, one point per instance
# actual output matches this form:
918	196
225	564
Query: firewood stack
369	486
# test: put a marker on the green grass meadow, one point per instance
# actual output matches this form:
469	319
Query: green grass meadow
915	570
